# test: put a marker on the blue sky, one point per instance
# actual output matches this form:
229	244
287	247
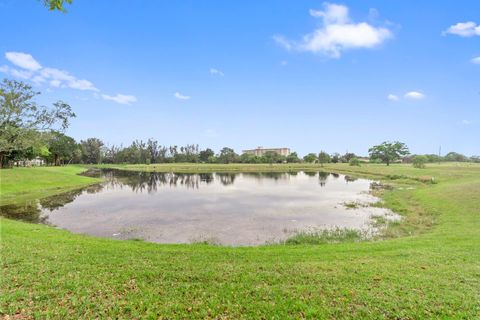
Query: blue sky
307	75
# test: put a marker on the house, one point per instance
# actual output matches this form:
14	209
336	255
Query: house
30	163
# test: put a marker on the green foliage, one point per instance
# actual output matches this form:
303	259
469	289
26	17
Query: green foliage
454	156
61	147
92	151
419	161
24	124
56	4
354	162
388	151
323	157
205	154
310	158
227	155
336	158
292	158
347	157
325	236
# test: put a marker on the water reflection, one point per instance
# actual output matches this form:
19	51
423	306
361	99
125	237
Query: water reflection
232	208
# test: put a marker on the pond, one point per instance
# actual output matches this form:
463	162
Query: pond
220	208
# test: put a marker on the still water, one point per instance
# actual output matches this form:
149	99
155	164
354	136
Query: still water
220	208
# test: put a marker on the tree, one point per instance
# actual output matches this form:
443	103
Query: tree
92	150
455	156
335	157
205	154
293	158
61	147
323	157
388	151
272	157
227	155
56	4
23	121
419	161
354	162
348	156
310	158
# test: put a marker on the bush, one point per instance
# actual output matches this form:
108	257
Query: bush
376	161
354	162
419	162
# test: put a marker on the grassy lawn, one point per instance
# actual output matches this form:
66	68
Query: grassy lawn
22	184
431	271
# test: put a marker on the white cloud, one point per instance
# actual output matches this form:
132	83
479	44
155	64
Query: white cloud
475	60
180	96
62	79
337	34
283	63
30	69
466	122
216	72
415	95
392	97
23	60
120	98
464	29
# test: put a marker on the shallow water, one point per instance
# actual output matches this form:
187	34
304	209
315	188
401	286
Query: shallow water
221	208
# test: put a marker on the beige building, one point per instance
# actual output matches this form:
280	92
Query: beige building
260	151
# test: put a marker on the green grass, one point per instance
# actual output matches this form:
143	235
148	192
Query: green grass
23	184
431	271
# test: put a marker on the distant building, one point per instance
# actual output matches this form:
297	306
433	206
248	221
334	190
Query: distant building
260	151
30	163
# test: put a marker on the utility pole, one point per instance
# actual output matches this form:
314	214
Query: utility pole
439	154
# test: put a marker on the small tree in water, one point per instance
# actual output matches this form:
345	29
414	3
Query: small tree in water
388	151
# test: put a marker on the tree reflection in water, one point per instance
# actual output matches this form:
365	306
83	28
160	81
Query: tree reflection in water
149	182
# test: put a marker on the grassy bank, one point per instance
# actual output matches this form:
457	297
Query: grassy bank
432	273
18	185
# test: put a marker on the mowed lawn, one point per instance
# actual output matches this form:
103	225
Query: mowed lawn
20	184
427	267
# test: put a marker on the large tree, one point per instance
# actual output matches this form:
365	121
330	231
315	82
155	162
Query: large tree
23	122
227	155
92	150
205	154
323	157
388	151
61	147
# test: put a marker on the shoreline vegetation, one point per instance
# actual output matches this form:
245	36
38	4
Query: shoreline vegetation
425	267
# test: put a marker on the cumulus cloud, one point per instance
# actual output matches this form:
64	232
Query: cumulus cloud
392	97
475	60
120	98
30	69
216	72
23	60
415	95
180	96
337	33
464	29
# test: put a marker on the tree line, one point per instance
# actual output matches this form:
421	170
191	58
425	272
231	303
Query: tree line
29	130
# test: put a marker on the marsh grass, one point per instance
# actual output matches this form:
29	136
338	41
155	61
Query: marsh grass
337	235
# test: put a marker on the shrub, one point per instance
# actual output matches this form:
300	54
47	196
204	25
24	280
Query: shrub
354	162
419	162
